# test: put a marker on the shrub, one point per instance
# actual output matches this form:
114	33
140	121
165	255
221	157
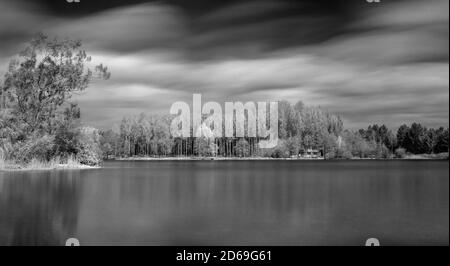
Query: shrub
88	154
280	151
39	148
66	142
343	153
400	153
88	149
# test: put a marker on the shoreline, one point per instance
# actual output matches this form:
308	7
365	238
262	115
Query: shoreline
18	168
412	158
15	167
212	159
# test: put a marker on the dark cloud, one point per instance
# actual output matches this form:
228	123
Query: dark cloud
384	63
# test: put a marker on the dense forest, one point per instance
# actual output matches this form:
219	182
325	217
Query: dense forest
300	128
40	123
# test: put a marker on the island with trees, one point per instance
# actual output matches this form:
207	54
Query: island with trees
40	127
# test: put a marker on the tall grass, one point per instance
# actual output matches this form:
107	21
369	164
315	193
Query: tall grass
39	164
5	163
2	160
55	163
72	162
35	164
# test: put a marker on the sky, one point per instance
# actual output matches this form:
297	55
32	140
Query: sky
385	63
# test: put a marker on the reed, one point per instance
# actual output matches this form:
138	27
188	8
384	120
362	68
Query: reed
35	164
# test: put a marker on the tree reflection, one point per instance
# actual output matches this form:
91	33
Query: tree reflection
38	208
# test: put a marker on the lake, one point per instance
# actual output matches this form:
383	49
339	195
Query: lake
229	203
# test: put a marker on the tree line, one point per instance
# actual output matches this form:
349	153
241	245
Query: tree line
300	128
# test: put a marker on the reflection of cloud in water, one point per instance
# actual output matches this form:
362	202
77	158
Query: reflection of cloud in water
263	203
228	203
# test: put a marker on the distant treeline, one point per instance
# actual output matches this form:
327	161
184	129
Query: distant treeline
300	128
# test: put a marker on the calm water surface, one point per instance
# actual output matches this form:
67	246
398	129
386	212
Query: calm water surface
229	203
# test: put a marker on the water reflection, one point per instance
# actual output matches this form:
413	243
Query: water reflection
38	208
230	203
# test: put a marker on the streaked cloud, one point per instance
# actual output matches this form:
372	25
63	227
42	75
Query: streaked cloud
387	64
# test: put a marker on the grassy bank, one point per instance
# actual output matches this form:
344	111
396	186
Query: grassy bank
56	163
